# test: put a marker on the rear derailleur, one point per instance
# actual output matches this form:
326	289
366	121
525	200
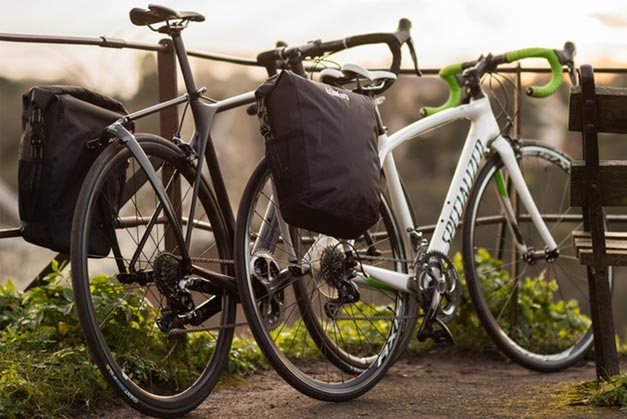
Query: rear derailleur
337	271
268	281
180	309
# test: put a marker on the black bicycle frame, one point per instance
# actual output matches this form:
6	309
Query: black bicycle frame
203	115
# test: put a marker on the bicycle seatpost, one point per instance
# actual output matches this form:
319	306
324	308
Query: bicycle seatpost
200	113
181	54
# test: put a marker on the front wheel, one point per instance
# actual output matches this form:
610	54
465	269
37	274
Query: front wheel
161	347
535	305
328	350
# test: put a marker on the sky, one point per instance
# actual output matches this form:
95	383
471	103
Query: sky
444	31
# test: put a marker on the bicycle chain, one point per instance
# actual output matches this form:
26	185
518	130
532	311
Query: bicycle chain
360	257
213	260
384	259
175	332
372	318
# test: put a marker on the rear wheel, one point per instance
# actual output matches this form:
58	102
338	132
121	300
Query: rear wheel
327	350
161	346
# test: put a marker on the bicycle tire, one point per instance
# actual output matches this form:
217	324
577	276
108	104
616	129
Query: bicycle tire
535	312
160	372
313	352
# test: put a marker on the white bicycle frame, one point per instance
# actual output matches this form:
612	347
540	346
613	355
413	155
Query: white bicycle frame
483	136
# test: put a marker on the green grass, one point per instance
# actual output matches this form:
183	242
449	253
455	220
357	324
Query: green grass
46	369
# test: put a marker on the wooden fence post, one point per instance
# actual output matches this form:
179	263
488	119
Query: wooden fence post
168	121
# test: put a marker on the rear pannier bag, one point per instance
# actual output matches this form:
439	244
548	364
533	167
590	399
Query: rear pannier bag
321	146
57	124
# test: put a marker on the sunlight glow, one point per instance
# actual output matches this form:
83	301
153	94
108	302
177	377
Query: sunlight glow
445	31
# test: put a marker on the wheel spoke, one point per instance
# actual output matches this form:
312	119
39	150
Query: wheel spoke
538	314
128	324
320	342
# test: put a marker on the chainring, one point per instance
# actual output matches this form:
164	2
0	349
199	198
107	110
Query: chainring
264	270
436	271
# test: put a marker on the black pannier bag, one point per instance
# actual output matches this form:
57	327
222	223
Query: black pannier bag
57	124
321	146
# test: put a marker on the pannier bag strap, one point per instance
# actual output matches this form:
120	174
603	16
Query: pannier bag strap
266	132
37	132
262	109
264	122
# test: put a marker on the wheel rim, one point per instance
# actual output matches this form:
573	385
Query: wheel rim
315	353
537	313
162	369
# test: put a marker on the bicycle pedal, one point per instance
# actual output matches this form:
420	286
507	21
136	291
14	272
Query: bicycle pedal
440	337
424	332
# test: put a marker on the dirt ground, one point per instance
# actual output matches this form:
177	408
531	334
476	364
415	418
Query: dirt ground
430	385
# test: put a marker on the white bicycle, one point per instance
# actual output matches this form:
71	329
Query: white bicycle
331	316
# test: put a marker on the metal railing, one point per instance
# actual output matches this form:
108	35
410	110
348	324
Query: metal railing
168	86
167	66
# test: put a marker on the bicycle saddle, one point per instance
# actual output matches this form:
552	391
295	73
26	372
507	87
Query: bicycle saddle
374	82
155	14
357	71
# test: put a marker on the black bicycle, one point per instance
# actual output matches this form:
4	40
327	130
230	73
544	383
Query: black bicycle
158	311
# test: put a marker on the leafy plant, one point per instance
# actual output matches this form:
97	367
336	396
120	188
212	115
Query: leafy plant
45	368
544	322
612	392
466	327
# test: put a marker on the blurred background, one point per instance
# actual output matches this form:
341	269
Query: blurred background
445	32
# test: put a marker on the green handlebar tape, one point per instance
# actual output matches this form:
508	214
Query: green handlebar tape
556	69
449	74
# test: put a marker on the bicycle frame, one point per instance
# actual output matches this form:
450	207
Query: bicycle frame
483	137
204	115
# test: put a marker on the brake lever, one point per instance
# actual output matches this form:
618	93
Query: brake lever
414	57
572	73
566	57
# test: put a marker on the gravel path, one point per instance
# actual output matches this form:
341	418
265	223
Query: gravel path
432	385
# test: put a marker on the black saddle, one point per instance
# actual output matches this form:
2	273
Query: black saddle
156	14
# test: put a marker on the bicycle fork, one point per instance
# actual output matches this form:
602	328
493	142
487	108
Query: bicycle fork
506	152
